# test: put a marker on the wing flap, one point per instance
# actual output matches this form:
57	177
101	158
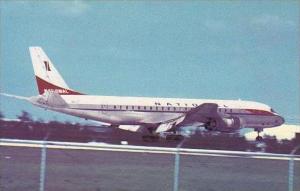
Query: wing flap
169	124
133	128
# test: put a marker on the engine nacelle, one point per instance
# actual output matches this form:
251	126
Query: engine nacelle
224	124
229	123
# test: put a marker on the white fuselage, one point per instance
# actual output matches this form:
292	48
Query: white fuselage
163	113
143	110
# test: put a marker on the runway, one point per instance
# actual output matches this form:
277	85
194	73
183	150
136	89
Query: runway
94	166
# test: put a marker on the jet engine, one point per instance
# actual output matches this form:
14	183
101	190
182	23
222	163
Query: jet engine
223	124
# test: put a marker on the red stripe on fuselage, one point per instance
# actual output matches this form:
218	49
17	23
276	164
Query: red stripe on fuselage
259	112
46	86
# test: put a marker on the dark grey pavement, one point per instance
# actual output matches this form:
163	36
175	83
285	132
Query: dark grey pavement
78	170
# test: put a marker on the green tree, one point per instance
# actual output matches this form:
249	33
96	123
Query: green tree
25	116
1	115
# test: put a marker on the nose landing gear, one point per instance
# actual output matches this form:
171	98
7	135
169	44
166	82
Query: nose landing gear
258	138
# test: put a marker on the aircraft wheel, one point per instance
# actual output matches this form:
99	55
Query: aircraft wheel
174	137
259	138
150	138
179	138
169	137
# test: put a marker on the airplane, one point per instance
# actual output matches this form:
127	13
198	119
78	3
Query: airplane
152	117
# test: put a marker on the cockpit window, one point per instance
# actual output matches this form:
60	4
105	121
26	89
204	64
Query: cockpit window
273	111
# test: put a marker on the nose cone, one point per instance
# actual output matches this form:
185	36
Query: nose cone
280	120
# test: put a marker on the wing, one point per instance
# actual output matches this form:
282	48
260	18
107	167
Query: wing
201	114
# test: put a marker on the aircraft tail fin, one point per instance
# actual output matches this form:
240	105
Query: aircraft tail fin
47	77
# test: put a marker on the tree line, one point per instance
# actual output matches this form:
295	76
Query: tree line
25	127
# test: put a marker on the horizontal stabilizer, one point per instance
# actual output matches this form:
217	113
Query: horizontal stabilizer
55	100
15	96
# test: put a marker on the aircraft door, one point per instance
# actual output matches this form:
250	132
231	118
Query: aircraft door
103	109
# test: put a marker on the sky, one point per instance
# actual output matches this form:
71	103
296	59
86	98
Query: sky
245	50
283	132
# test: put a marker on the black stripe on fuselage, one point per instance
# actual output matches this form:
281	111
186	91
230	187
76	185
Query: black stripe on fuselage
164	111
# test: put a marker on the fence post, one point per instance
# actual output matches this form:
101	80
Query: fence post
291	170
43	163
176	167
43	167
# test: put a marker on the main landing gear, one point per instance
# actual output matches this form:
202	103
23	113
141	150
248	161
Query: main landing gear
258	138
169	136
150	138
174	137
